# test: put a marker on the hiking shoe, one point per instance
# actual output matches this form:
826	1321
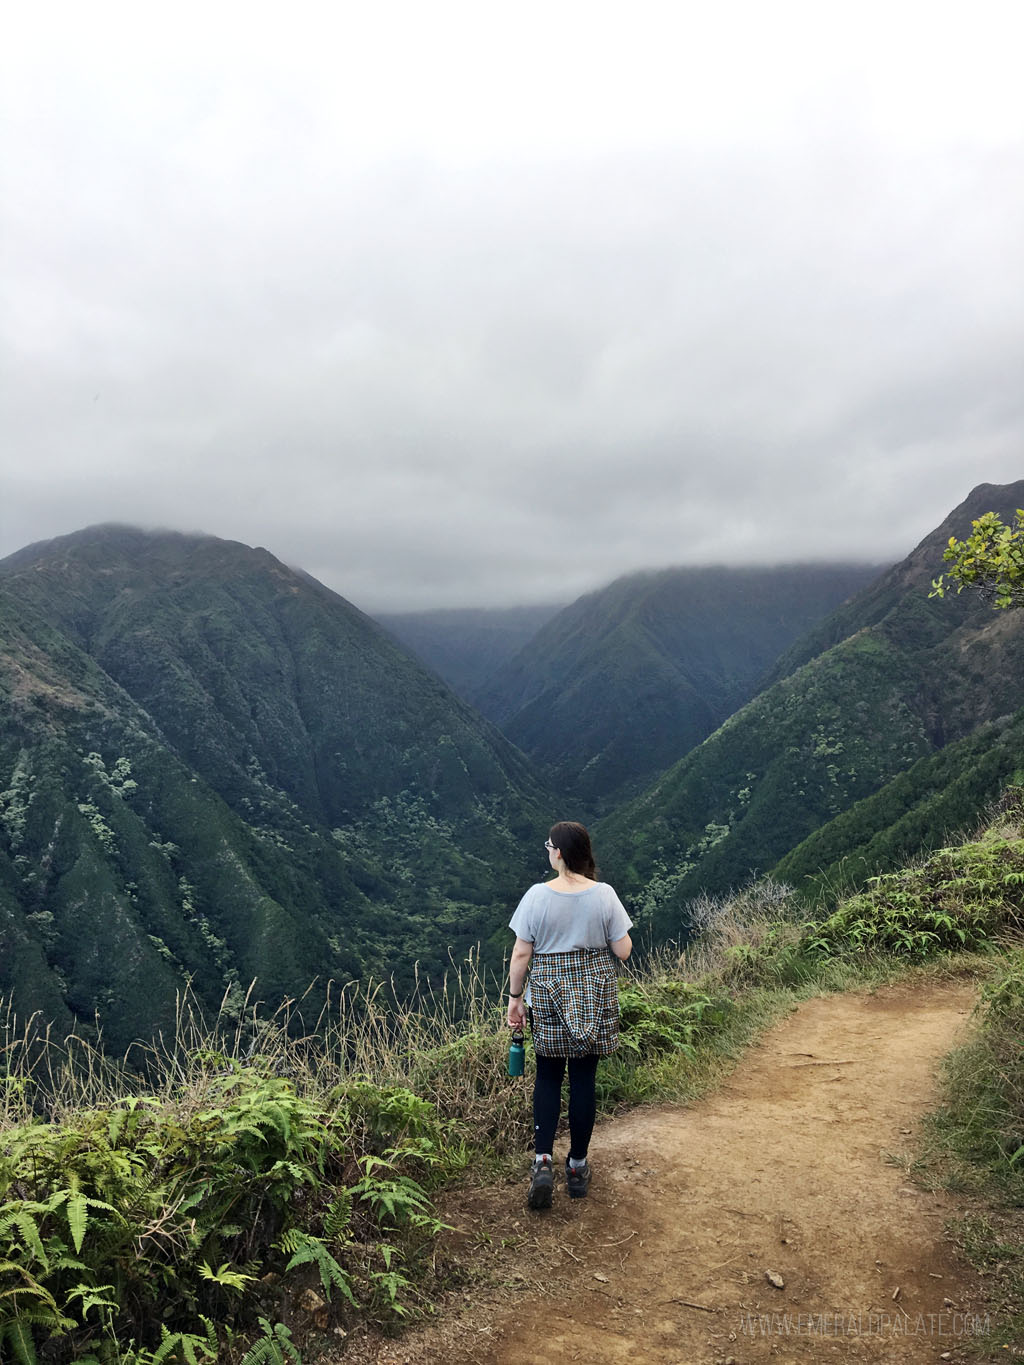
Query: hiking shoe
577	1179
542	1185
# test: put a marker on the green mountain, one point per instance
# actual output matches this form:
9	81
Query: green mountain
213	768
896	678
627	679
466	646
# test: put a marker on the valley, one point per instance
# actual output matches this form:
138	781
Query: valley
216	771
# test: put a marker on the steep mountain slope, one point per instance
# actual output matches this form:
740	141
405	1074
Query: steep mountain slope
467	646
914	675
627	679
212	766
921	809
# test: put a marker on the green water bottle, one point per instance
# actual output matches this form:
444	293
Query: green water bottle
517	1054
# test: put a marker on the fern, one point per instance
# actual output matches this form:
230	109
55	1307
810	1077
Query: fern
35	1290
93	1296
128	1116
22	1220
399	1196
187	1343
78	1216
230	1279
19	1338
134	1209
338	1216
309	1250
390	1281
300	1174
77	1206
275	1347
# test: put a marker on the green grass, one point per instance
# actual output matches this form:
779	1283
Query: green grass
976	1145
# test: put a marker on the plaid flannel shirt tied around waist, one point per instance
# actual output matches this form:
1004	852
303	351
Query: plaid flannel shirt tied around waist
574	1003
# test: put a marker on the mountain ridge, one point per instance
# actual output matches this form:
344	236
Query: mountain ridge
240	774
916	570
628	678
896	688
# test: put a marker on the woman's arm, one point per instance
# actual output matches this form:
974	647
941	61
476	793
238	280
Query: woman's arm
521	955
622	947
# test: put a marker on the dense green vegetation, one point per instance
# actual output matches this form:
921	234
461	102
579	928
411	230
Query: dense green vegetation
959	897
213	769
266	1177
977	1149
627	679
916	812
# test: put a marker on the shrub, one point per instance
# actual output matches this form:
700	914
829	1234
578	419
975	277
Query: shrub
169	1210
959	898
666	1016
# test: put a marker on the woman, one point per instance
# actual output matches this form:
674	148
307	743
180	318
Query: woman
568	928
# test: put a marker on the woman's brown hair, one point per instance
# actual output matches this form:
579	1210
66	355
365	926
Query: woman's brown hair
573	842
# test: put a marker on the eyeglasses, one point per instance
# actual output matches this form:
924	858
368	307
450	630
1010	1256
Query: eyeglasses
548	844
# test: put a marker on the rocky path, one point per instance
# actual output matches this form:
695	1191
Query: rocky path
794	1169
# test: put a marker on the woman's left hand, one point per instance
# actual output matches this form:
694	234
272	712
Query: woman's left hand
516	1014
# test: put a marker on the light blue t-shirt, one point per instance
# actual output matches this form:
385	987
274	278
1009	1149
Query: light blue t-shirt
563	921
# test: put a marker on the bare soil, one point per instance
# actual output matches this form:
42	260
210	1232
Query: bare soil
797	1167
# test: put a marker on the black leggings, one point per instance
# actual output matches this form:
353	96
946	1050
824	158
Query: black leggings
547	1102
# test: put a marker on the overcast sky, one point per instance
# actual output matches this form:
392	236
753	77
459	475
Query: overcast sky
477	304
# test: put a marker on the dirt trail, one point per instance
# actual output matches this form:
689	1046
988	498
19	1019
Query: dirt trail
787	1168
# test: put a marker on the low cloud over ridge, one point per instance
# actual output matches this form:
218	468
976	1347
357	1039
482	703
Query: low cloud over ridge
522	319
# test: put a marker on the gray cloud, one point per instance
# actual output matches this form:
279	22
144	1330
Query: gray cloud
443	337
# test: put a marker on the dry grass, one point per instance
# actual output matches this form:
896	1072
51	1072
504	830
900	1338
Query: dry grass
448	1044
743	922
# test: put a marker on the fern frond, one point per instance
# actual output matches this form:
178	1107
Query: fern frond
274	1345
78	1215
311	1250
64	1262
300	1174
211	1331
20	1340
290	1240
92	1296
230	1279
338	1216
77	1209
26	1226
185	1342
31	1286
302	1255
265	1349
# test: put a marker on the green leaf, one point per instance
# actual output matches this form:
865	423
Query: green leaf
78	1213
231	1279
23	1221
